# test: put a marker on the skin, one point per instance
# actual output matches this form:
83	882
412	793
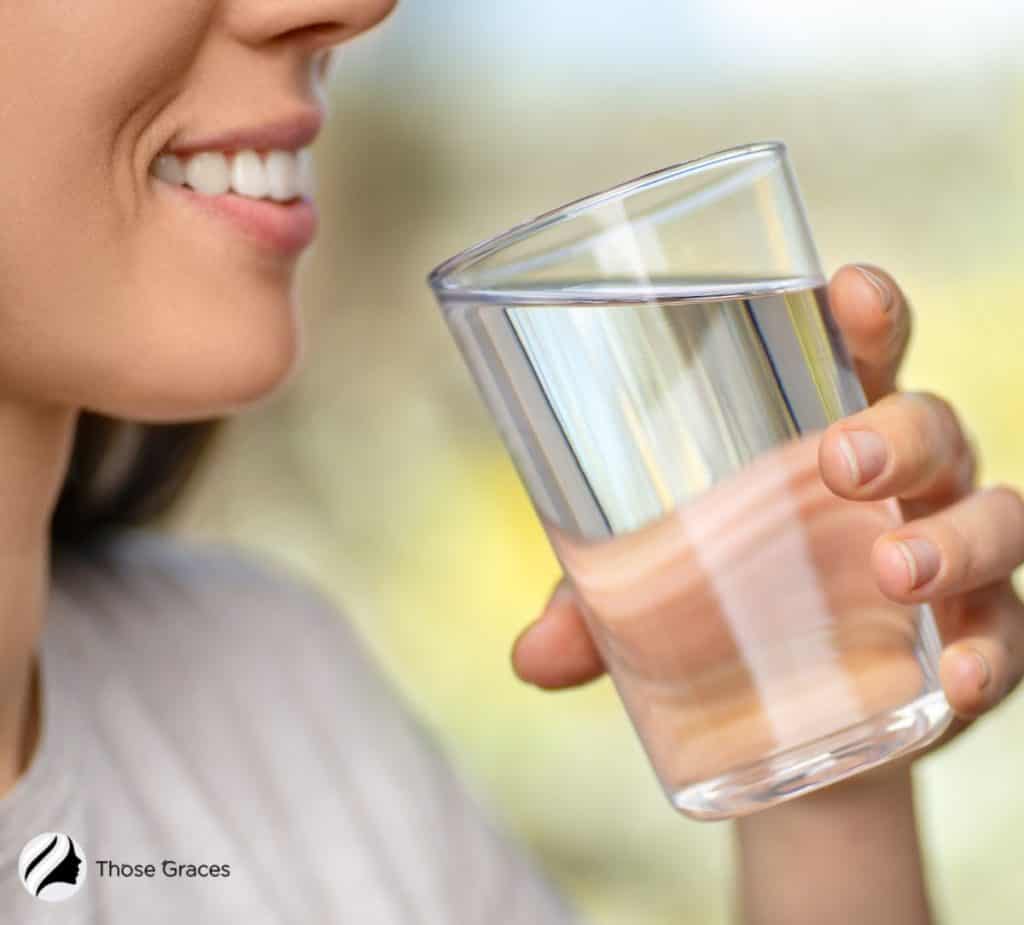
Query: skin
855	843
113	297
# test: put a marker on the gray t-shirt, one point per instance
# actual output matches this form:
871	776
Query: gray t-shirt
205	706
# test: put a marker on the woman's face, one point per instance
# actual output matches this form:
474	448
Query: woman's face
119	291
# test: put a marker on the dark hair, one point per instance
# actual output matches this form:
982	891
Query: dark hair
124	473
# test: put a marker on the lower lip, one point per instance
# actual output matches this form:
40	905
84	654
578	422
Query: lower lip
285	228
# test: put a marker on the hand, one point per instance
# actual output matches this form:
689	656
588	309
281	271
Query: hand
957	549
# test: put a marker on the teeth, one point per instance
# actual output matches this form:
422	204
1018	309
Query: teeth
307	175
169	169
208	173
249	176
280	175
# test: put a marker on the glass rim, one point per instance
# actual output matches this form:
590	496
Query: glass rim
439	278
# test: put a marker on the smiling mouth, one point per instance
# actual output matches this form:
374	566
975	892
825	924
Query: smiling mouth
267	196
280	176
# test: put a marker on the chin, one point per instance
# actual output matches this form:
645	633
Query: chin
228	365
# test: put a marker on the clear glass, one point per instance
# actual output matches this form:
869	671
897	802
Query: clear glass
661	362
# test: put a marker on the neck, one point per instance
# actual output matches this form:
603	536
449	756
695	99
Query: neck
35	448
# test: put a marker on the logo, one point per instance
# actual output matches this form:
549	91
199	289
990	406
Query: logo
52	867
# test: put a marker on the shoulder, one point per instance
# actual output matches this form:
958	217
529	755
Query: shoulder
232	647
243	683
222	644
156	567
168	609
141	577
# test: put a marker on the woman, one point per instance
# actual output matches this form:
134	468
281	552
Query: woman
199	725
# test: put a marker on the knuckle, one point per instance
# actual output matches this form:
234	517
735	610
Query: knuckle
941	412
959	554
1009	495
949	421
1013	649
1011	684
920	428
968	459
935	439
1010	503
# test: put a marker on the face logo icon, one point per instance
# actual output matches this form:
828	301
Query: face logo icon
52	867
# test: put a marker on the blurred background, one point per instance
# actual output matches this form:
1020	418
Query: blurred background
377	472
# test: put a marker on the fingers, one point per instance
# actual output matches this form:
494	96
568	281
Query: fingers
985	661
875	321
556	650
908	445
966	546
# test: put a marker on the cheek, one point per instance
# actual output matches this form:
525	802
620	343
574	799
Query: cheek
139	317
90	78
105	301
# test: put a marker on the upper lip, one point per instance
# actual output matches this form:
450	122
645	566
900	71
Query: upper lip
289	133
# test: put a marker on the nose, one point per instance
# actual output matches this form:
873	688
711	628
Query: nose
312	25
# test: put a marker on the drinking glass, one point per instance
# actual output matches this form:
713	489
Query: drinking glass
661	362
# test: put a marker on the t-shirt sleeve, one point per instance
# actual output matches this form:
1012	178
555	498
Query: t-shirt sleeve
424	835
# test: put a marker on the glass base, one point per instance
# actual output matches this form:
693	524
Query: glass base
810	767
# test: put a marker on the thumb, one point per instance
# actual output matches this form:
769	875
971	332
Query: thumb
556	651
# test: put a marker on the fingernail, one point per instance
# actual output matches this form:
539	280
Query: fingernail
865	454
884	292
922	559
976	669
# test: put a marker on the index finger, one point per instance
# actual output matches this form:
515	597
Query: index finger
874	317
